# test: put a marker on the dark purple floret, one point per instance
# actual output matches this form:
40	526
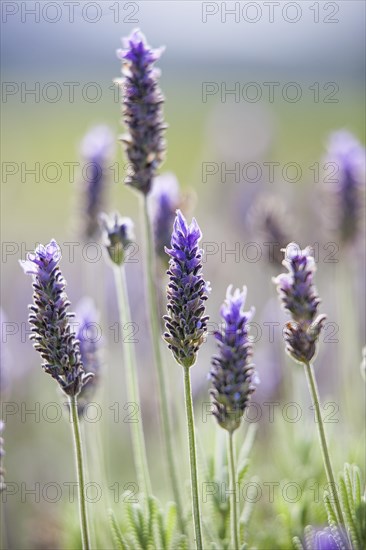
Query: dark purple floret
142	108
88	335
117	236
96	149
186	324
347	161
232	374
164	200
49	318
300	299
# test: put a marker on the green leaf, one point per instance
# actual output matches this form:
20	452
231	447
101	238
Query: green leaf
297	544
116	533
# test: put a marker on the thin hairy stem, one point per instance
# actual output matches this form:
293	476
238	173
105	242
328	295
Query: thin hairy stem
233	493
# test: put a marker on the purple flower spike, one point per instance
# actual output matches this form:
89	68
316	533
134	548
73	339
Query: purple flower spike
232	373
186	324
347	156
142	108
49	319
164	201
300	299
97	148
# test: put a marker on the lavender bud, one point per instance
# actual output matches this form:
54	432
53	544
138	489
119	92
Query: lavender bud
49	319
87	317
164	200
232	373
142	108
348	157
299	297
117	236
97	148
186	324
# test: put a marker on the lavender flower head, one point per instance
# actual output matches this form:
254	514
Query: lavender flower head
142	108
97	148
348	156
117	235
186	324
87	318
164	200
232	374
49	318
300	299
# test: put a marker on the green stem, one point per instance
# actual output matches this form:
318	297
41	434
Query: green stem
323	441
137	432
156	339
80	471
192	458
233	507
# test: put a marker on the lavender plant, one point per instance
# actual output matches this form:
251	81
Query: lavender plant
118	236
233	378
144	144
186	325
54	339
299	298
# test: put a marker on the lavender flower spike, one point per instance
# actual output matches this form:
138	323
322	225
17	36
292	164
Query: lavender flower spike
142	108
300	299
164	200
186	324
49	318
232	373
96	148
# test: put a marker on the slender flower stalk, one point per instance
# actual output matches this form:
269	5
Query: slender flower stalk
144	144
54	339
299	297
186	325
234	380
118	235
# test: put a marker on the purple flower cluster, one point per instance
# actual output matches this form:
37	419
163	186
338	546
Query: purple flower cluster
164	201
96	149
300	299
232	373
117	236
348	156
142	108
49	318
186	324
87	317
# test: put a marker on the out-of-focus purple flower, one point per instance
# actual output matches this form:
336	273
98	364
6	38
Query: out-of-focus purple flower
49	318
299	297
232	373
324	539
142	107
88	335
97	148
164	200
186	324
348	157
269	220
117	235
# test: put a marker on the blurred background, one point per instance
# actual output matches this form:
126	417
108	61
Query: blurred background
257	89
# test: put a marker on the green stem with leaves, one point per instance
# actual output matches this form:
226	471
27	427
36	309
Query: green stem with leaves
233	494
314	392
192	458
80	472
156	339
137	432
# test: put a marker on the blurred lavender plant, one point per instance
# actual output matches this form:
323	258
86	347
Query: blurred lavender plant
323	539
87	317
97	149
234	380
164	200
269	219
299	298
49	318
232	373
142	108
348	156
58	346
186	324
